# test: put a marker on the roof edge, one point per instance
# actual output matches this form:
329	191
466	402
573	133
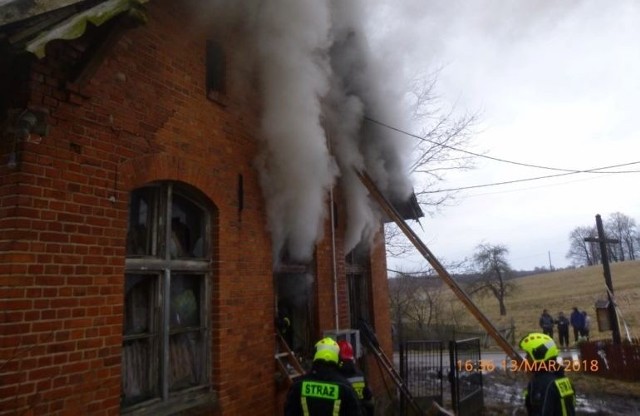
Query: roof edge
16	10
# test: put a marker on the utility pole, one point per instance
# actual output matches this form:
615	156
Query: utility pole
602	240
550	265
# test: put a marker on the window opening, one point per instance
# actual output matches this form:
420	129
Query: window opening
296	311
166	306
216	72
359	285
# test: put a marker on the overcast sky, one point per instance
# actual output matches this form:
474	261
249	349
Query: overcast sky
557	85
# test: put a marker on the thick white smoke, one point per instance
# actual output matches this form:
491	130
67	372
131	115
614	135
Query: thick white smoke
318	82
296	168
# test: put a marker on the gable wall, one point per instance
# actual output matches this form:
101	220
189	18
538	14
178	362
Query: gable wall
142	117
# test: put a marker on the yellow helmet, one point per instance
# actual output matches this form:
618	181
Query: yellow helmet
327	349
540	347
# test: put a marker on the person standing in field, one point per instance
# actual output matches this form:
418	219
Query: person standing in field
563	330
546	323
577	322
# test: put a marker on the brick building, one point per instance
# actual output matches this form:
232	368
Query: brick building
136	269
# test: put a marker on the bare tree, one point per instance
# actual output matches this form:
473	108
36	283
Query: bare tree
623	228
416	299
438	148
580	252
494	273
400	296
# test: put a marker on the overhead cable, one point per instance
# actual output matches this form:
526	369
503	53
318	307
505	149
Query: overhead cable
568	171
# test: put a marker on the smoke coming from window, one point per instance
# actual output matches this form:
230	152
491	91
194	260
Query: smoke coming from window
318	83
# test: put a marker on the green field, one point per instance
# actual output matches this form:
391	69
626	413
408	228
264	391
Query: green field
561	291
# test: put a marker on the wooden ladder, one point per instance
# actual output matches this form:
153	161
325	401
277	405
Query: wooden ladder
286	360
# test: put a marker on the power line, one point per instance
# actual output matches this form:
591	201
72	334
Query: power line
565	172
591	178
596	170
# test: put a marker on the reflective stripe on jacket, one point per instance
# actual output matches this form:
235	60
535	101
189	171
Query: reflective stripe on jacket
550	394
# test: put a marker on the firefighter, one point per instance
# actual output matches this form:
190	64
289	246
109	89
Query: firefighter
283	324
549	392
355	376
323	390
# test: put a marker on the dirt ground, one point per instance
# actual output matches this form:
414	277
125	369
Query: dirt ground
594	395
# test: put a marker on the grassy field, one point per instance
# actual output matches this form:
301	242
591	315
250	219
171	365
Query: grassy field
561	291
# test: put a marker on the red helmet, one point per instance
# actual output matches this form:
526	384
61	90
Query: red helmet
346	350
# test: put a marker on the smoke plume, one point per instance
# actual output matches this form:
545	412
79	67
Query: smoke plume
318	84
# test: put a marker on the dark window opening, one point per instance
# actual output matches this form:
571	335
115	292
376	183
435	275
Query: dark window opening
216	76
295	291
359	284
359	302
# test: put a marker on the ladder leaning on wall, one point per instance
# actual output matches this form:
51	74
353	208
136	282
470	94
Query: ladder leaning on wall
437	266
286	360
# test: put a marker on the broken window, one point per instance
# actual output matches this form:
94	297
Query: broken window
166	301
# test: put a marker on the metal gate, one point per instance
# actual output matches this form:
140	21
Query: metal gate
421	369
465	367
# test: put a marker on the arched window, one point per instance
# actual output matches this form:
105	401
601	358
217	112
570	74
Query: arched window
166	295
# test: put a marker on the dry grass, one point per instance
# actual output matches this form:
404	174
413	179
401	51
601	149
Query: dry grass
561	291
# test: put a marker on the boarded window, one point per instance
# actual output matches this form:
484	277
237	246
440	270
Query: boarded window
166	301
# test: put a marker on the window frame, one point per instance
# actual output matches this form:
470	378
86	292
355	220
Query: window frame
160	264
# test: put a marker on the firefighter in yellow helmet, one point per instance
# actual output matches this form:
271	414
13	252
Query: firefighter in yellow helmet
549	392
323	391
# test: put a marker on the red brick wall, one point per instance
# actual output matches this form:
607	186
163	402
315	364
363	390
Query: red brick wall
142	117
381	316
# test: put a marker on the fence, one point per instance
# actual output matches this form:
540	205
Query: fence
467	395
421	366
603	358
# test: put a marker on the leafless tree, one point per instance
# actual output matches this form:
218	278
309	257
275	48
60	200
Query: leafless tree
400	296
494	273
416	299
439	147
582	253
622	228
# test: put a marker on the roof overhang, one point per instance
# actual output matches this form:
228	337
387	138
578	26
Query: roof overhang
16	10
408	209
32	32
75	26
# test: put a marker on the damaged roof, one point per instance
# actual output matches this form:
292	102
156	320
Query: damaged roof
409	209
31	24
16	10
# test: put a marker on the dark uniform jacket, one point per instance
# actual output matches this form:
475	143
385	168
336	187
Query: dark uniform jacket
322	391
550	394
546	322
357	380
563	324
